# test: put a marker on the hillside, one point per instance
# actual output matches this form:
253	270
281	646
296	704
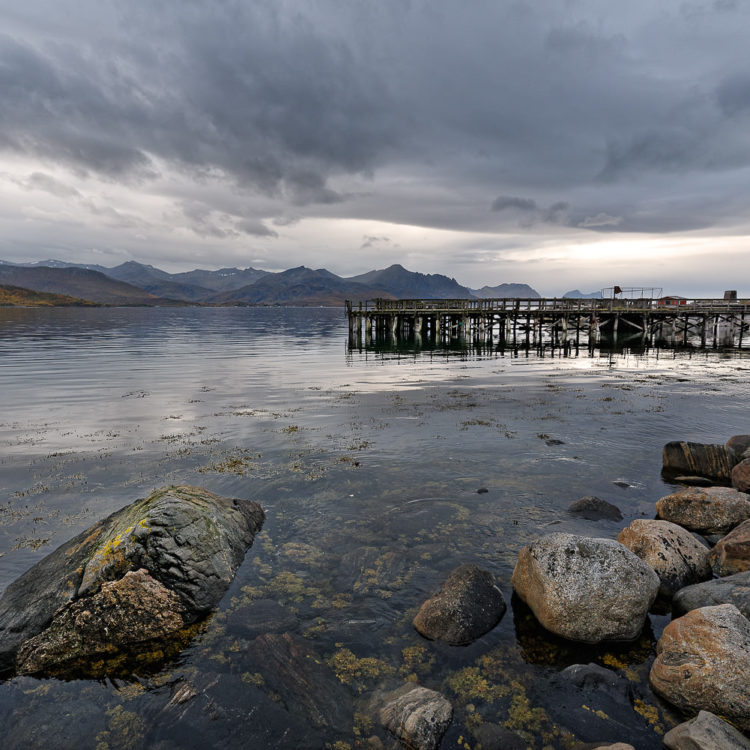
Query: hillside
223	280
134	283
78	282
189	286
157	282
505	291
300	286
16	296
412	284
576	294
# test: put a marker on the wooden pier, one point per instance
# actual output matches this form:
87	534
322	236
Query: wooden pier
529	322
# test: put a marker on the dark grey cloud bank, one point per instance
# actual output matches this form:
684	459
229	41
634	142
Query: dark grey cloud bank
489	116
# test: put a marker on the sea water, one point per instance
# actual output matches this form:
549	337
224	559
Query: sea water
380	470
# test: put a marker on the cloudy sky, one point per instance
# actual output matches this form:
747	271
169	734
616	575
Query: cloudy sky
561	143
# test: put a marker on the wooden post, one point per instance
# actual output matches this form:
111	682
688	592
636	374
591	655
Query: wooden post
742	328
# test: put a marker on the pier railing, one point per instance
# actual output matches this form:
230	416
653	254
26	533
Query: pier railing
555	305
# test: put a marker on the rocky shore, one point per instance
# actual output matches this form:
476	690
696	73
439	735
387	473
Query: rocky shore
134	589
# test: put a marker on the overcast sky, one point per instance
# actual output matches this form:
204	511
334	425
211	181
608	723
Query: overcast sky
562	143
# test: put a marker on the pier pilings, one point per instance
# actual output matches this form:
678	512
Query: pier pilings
529	322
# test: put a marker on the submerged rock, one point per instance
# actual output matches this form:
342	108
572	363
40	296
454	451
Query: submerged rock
187	540
733	589
732	553
304	684
597	705
584	589
702	662
710	510
417	716
231	712
698	459
261	616
594	508
676	556
741	476
495	737
468	605
705	732
371	570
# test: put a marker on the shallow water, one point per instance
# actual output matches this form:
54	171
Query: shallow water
368	465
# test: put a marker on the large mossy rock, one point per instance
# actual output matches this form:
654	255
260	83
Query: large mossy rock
585	589
468	605
189	540
698	459
674	553
703	663
707	510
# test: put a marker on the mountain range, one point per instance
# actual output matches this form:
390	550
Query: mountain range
135	283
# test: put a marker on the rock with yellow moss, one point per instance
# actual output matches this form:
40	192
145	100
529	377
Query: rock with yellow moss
189	540
124	614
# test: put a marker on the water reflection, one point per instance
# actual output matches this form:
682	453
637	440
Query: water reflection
601	346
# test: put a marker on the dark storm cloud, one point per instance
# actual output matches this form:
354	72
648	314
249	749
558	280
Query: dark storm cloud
268	100
287	101
529	212
503	202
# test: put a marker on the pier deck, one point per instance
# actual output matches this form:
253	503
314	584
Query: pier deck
714	322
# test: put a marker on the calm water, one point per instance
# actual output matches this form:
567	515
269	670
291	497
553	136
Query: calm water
368	466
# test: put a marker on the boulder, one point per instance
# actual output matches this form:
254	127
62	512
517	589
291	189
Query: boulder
709	510
416	716
705	732
676	556
738	445
468	605
732	553
188	539
594	508
125	615
584	589
734	589
698	459
702	663
741	475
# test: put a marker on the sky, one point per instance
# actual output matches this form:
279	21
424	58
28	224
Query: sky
560	143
